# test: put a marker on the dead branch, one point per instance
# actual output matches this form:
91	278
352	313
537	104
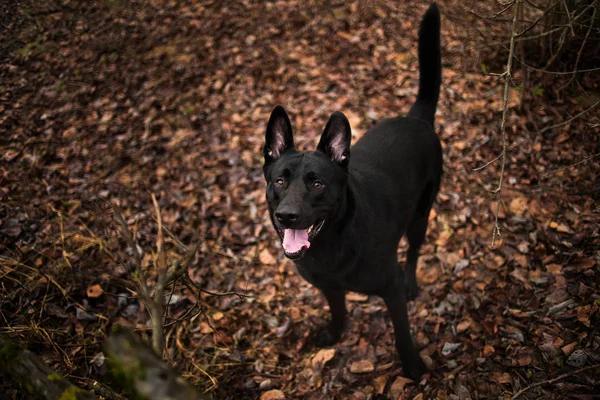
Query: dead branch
507	81
159	292
550	381
587	34
586	159
166	275
571	119
33	374
139	370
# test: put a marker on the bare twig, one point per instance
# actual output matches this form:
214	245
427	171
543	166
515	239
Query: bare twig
571	119
586	159
587	34
159	292
530	27
550	381
487	164
507	80
569	17
138	276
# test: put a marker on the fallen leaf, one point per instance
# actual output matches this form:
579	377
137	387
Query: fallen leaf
518	206
488	350
358	297
379	384
568	349
94	291
463	326
217	316
398	386
266	258
450	348
361	367
554	269
504	378
322	357
274	394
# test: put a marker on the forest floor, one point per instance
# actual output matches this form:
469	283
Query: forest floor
107	102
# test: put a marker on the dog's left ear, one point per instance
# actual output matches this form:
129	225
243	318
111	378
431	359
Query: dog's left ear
279	135
335	140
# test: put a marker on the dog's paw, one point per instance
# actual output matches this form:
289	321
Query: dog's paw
412	291
326	337
415	369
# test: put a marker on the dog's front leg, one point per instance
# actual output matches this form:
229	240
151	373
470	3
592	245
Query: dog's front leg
412	363
331	333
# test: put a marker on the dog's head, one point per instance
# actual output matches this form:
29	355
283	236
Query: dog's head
304	188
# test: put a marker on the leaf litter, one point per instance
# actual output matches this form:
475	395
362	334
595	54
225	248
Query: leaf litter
105	102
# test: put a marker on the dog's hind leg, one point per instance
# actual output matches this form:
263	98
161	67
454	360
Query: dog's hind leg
412	363
331	333
416	236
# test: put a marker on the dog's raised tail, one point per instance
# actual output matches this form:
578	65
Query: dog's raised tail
430	66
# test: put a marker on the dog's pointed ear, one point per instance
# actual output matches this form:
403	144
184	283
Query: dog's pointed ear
335	140
279	136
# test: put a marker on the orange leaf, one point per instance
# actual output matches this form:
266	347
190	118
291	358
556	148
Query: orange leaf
94	291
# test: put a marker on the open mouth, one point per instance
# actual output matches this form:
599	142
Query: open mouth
297	241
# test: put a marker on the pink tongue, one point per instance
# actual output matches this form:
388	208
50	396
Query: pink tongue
294	240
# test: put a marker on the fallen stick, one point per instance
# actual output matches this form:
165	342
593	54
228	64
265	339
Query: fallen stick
35	376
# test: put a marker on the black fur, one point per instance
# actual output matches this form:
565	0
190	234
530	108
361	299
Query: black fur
361	201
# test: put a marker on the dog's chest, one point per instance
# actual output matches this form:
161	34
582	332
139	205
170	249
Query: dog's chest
361	277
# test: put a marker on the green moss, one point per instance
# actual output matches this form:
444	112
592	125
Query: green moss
54	376
72	393
8	354
125	374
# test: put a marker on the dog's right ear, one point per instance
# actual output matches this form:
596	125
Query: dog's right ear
279	135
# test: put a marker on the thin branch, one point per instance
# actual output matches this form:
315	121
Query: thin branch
507	77
586	159
189	282
571	119
569	17
487	164
159	291
555	72
550	381
580	49
139	275
530	27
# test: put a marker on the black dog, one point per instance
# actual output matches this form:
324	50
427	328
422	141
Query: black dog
340	213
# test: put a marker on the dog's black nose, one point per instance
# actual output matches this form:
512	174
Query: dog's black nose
286	218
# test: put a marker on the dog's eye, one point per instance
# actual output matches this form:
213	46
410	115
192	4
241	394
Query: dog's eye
318	185
279	182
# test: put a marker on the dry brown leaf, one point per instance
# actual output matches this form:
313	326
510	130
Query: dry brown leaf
397	388
554	269
518	206
488	350
583	315
463	326
217	316
524	359
568	349
274	394
427	273
361	367
94	291
504	378
358	297
586	264
322	357
379	383
266	258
